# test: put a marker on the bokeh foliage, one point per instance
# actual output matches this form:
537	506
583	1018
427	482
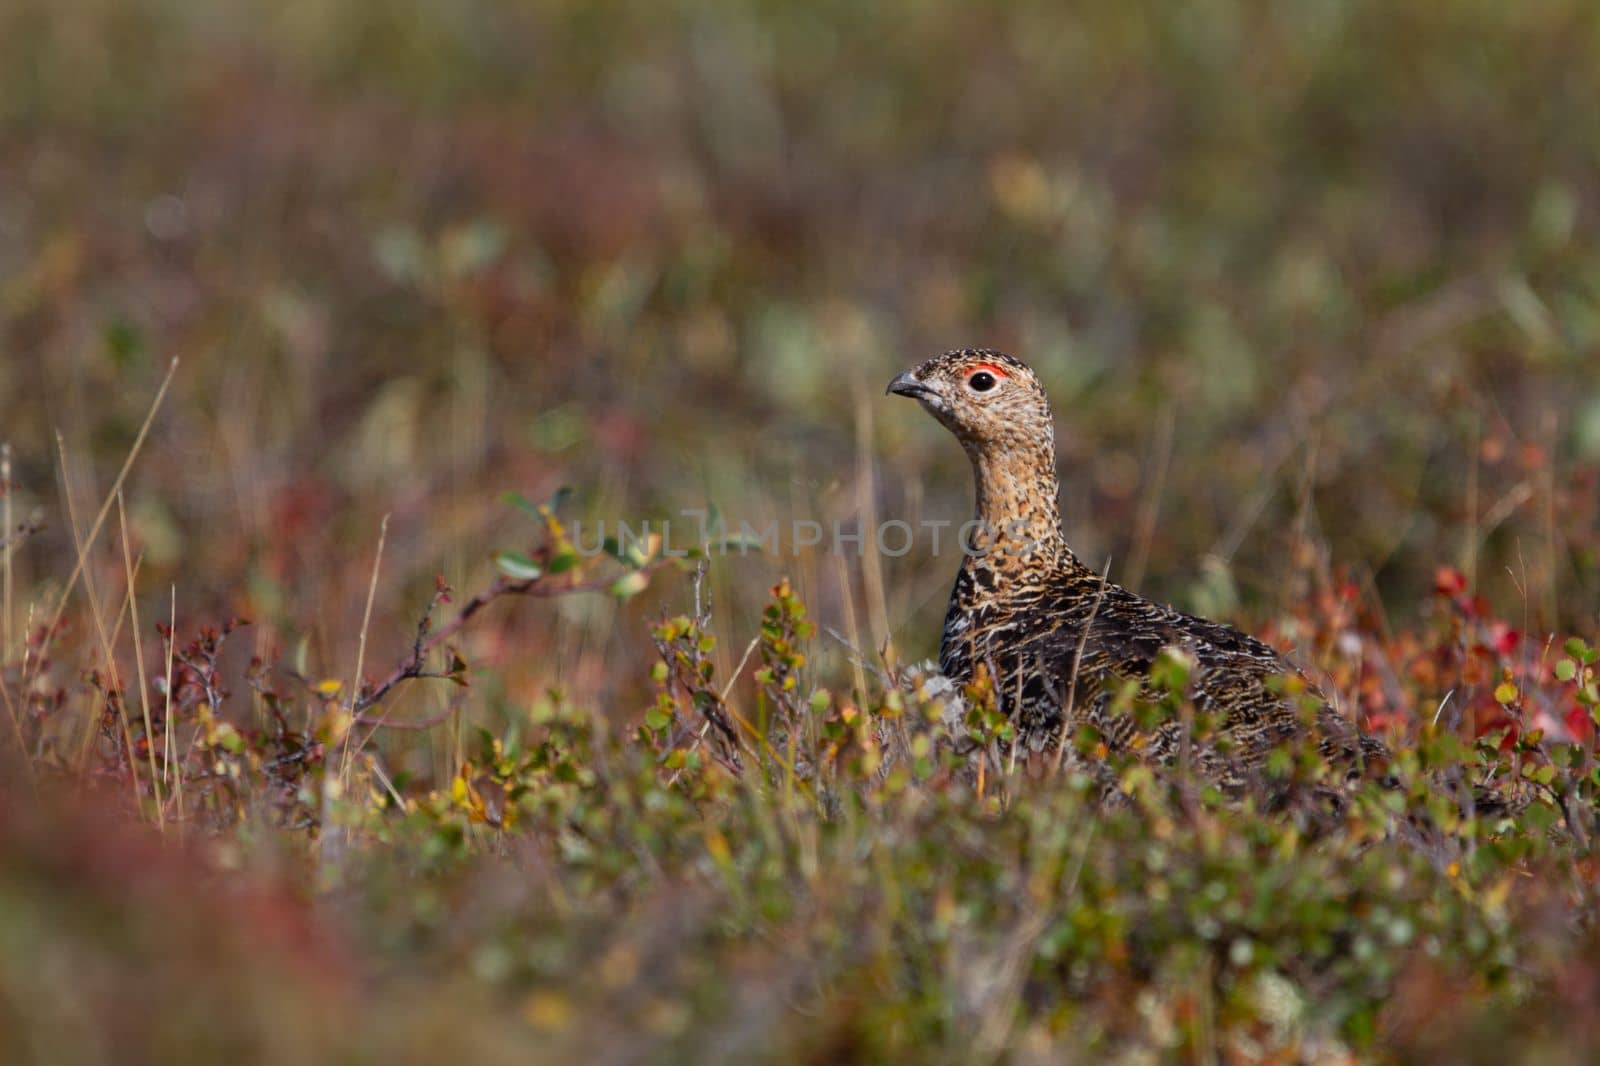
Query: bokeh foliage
1315	286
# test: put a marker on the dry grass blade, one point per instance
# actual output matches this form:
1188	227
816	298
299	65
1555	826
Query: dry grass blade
170	747
1150	505
848	609
348	720
138	659
116	487
1072	685
867	508
7	545
6	577
112	684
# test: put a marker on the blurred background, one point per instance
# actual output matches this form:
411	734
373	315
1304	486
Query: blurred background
1314	285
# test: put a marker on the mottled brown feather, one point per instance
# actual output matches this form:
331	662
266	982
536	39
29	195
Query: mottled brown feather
1024	605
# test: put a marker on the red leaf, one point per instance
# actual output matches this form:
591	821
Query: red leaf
1448	581
1578	722
1503	638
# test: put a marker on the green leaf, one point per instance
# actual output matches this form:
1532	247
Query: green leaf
629	585
517	566
522	503
1566	670
1505	692
229	740
562	562
632	553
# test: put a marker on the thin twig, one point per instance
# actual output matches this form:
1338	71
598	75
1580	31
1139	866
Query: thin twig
441	594
1077	665
417	725
854	655
540	587
723	698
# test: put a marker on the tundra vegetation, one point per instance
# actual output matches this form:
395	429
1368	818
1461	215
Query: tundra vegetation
332	730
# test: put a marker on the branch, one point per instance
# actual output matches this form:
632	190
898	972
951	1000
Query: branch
428	639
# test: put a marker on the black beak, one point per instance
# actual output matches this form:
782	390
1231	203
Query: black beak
906	385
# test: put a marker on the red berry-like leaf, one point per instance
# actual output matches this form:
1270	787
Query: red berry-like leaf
1448	581
1503	638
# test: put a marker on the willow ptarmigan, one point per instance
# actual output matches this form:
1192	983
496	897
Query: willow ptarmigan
1056	639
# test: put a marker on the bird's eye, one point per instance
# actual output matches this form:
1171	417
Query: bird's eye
982	381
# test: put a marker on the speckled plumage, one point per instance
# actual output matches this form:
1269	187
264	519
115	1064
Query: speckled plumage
1060	643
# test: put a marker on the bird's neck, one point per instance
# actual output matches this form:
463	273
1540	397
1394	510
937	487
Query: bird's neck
1018	524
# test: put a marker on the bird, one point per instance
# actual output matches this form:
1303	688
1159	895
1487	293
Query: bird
1078	665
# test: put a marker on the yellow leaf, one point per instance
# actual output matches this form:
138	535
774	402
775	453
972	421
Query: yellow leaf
1494	900
549	1011
717	845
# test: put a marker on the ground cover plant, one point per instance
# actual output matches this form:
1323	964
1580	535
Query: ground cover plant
343	720
803	873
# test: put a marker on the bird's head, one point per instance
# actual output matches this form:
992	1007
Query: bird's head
992	402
